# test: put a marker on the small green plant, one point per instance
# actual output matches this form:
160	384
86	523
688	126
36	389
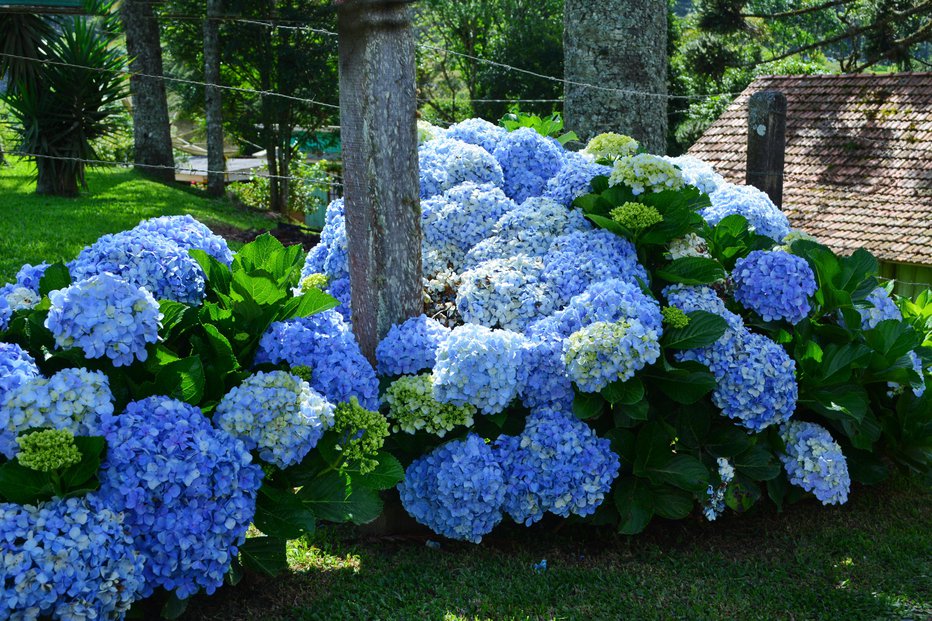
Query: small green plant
550	126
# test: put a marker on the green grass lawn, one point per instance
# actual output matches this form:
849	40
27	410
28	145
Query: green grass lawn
39	228
869	559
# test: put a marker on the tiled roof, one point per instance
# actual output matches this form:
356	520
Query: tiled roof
858	169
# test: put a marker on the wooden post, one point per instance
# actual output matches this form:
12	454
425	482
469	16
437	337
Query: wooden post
381	192
767	143
216	163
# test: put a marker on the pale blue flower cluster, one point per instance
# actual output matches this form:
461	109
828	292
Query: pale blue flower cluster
478	366
478	132
762	215
505	293
690	298
814	462
457	490
543	381
601	353
464	216
697	173
574	179
579	259
144	259
776	285
188	492
189	234
714	505
104	315
67	559
5	313
528	161
410	347
75	400
557	464
29	276
324	343
879	307
277	413
16	367
22	294
445	163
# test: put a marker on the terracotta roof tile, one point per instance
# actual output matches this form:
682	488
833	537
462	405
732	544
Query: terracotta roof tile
858	168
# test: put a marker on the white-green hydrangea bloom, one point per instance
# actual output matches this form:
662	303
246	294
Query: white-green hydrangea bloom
611	146
644	172
412	407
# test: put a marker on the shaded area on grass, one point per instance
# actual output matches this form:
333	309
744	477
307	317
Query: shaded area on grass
870	559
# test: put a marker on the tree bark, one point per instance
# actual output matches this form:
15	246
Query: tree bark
378	113
617	44
58	177
152	139
216	164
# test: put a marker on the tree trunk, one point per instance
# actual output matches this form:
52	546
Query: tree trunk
617	44
378	114
58	177
152	139
216	165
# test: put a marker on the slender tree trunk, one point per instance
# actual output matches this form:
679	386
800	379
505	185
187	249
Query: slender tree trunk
617	44
58	177
378	113
216	164
152	139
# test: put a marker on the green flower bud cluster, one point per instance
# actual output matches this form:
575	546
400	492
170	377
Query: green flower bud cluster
48	450
636	216
674	317
303	371
412	407
314	281
362	434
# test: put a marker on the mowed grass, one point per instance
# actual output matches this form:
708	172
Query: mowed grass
40	228
869	559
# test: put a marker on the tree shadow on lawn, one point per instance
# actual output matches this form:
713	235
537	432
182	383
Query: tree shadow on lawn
869	559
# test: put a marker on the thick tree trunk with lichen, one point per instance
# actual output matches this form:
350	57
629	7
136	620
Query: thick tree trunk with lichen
619	46
379	134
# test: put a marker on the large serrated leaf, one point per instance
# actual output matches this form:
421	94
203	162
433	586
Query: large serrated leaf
265	555
703	329
692	271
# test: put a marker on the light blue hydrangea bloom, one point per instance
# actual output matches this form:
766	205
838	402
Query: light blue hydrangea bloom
16	367
601	353
505	293
578	260
478	132
774	284
714	505
340	289
29	276
557	464
188	491
879	307
445	163
762	215
690	298
333	220
17	298
75	400
528	162
456	490
189	234
314	262
479	366
697	173
814	462
543	380
574	179
756	378
146	260
278	413
324	343
5	313
67	559
467	214
410	347
105	316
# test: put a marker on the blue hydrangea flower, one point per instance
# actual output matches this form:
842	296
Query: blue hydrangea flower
543	380
75	400
609	301
478	132
340	289
814	462
528	161
410	347
146	260
324	343
601	353
763	216
578	260
714	505
16	367
189	234
881	308
314	262
756	378
697	173
67	559
479	366
556	464
18	298
445	163
5	313
188	491
467	214
105	316
505	293
333	238
574	179
278	413
456	490
775	285
29	276
690	298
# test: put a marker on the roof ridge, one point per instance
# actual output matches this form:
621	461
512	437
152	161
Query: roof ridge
843	76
